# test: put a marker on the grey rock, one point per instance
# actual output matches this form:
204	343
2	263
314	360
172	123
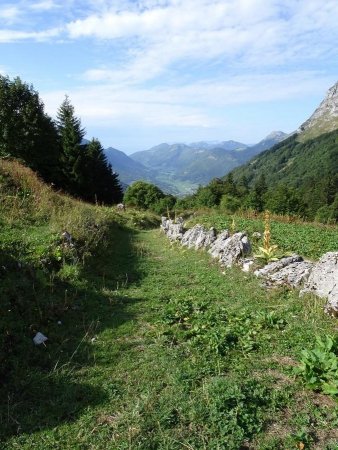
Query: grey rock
235	248
332	302
164	224
198	237
174	230
256	235
323	280
326	115
217	247
294	274
275	266
247	264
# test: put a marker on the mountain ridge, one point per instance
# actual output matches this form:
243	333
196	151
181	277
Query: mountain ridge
324	119
186	166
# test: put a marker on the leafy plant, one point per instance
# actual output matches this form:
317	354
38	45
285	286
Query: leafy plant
268	254
268	251
319	366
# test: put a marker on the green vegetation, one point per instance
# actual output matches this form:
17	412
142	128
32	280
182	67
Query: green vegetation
291	178
150	346
301	177
307	239
319	366
148	196
54	150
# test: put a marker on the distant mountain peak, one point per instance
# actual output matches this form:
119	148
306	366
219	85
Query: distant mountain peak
276	135
325	117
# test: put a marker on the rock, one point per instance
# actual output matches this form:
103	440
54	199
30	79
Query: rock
235	248
198	237
323	280
217	247
174	230
67	239
332	302
246	264
294	274
325	117
275	266
164	224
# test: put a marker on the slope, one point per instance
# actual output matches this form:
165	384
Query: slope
324	119
159	349
128	169
310	166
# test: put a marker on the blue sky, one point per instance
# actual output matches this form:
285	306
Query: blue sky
144	72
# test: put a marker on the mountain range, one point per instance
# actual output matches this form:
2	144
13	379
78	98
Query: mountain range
180	168
304	158
306	161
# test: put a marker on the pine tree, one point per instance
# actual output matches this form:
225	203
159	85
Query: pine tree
26	131
72	156
101	184
256	198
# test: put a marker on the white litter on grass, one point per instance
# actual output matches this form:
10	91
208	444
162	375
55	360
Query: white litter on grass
59	322
39	338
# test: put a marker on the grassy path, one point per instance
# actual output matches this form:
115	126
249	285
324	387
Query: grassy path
161	350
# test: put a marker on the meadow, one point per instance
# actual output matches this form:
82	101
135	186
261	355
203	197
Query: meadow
310	240
152	346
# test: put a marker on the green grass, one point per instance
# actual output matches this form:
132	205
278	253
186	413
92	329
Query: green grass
307	239
160	350
150	346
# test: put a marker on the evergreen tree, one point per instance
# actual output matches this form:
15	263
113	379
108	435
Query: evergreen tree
243	186
230	187
26	131
284	200
101	183
256	198
72	156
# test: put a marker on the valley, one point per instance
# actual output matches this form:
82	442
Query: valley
180	168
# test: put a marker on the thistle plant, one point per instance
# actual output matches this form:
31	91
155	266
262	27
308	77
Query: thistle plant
268	251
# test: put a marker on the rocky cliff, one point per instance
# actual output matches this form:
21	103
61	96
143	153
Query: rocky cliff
324	119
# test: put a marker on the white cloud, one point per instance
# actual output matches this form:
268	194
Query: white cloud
202	104
44	5
243	34
7	36
9	14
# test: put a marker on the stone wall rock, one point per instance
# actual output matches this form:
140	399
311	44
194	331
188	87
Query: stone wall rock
173	229
332	302
320	278
198	237
294	275
235	248
275	266
323	280
217	247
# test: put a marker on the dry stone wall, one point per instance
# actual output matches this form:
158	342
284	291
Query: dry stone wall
319	278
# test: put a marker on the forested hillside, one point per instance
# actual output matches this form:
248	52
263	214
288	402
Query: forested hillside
310	167
297	178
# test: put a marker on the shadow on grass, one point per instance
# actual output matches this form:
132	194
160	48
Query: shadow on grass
40	385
